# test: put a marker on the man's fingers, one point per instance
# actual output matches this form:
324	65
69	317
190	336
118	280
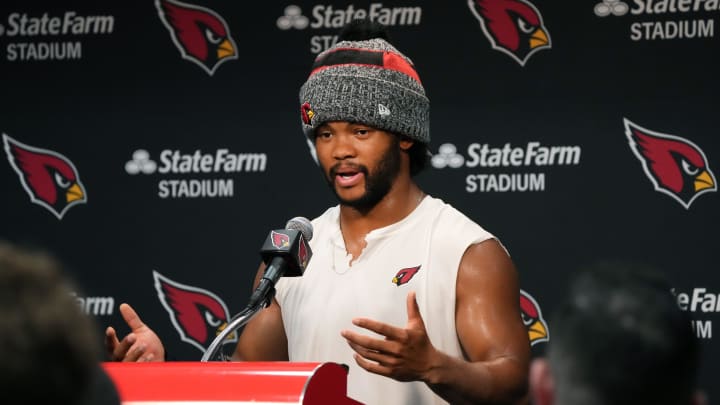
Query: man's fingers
384	358
413	310
135	345
135	352
131	317
111	342
371	366
390	332
376	345
121	349
110	337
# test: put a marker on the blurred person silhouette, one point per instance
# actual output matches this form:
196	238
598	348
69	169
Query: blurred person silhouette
619	337
50	349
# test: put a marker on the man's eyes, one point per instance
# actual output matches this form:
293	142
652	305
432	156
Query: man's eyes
357	132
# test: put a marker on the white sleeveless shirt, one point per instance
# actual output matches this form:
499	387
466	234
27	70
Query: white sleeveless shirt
420	253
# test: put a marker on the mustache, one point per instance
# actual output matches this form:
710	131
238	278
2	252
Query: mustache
352	166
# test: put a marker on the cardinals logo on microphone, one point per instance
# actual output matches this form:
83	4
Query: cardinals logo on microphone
279	240
50	179
201	35
514	27
197	314
676	166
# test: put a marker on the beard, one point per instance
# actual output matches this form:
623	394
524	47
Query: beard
377	184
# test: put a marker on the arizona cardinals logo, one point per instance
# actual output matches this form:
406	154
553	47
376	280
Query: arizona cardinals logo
201	35
404	275
303	252
198	315
50	179
279	240
676	166
514	27
307	113
532	318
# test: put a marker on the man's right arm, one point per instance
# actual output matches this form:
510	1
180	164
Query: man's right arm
263	338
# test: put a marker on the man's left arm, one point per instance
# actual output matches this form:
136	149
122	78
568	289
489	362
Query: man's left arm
491	332
489	327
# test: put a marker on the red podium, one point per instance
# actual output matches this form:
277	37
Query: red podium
228	383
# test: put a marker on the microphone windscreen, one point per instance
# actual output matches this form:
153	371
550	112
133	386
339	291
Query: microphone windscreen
302	225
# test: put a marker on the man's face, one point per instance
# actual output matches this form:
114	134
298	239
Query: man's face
360	163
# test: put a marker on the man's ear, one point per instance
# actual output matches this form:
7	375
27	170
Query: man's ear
542	384
406	143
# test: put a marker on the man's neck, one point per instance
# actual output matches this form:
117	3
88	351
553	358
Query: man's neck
400	201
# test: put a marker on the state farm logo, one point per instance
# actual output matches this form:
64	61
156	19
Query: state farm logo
614	7
96	306
702	304
669	18
38	34
514	27
675	166
293	18
140	163
447	157
49	178
221	166
519	162
331	17
201	35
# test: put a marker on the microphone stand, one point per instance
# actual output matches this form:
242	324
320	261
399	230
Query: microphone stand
237	322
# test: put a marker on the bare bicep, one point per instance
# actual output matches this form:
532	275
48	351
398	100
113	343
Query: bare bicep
488	320
263	338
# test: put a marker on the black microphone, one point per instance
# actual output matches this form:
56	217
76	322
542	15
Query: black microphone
286	252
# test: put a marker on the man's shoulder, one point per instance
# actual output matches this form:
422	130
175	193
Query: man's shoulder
452	224
329	214
449	214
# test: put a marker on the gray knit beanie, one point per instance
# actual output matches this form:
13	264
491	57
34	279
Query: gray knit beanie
368	82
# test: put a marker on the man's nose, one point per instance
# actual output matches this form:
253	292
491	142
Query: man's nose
343	146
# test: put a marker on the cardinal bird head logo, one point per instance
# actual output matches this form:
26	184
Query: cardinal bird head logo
532	318
675	166
514	27
198	315
307	113
201	35
279	240
50	179
303	252
404	275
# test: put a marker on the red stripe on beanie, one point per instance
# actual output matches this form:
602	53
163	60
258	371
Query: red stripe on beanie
396	62
365	57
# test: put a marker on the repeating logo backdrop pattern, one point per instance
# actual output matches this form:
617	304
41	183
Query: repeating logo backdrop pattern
164	135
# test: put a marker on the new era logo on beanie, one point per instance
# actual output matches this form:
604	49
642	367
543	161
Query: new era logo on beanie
383	111
368	81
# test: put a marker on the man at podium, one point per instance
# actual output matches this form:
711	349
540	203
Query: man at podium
420	301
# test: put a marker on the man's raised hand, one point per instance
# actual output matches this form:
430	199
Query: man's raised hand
141	344
405	354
